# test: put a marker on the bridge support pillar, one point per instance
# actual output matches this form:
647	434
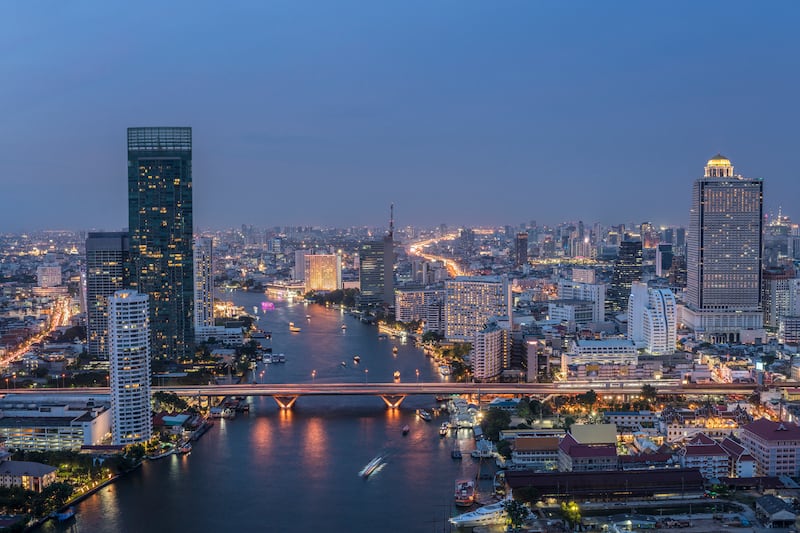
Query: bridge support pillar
393	401
285	402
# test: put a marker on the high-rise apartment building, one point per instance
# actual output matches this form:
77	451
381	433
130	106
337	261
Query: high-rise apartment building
376	272
470	302
489	348
652	319
160	227
426	305
129	349
203	282
107	255
724	254
593	292
323	272
627	269
778	293
521	249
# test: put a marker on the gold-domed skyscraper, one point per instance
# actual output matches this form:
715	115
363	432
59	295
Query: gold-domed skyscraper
724	255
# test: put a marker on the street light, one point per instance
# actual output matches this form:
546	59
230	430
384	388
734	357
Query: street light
417	371
261	377
366	374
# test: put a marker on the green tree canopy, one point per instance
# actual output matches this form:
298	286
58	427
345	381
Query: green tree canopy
493	422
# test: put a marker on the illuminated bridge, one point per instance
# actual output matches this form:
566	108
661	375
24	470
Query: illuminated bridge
393	394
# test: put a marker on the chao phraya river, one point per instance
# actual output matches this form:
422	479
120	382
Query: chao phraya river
297	471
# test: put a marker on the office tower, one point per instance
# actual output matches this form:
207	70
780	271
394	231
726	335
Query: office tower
589	292
470	302
300	262
323	272
724	254
107	255
376	272
160	227
203	282
48	276
777	288
627	269
652	319
521	249
663	259
129	349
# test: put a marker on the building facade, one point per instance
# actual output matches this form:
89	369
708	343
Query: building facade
203	282
323	272
160	224
652	319
775	446
488	352
376	272
627	269
107	255
724	249
470	301
129	348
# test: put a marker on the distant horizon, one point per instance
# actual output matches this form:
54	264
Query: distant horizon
476	114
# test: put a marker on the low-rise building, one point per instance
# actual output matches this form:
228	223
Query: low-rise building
28	475
706	454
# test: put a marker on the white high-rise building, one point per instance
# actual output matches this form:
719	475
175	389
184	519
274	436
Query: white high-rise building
129	358
323	272
593	292
652	319
724	254
470	302
48	276
488	352
426	305
203	282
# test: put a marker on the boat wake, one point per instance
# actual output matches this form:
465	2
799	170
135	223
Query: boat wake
375	465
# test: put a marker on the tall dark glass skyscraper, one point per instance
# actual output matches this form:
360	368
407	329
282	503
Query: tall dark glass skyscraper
160	227
106	273
627	269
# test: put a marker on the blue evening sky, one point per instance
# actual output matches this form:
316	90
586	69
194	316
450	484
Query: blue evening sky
461	112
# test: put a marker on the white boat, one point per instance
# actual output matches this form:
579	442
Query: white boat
445	370
267	359
423	414
371	466
293	328
344	327
488	515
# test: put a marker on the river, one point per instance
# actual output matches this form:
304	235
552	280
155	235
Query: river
297	471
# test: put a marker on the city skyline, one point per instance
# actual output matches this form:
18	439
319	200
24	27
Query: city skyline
353	108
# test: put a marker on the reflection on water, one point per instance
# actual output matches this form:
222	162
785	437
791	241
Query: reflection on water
297	470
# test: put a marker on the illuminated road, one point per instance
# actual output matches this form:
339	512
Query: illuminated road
408	389
419	249
60	317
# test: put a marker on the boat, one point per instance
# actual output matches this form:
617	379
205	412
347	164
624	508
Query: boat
371	466
382	336
308	317
423	414
356	359
344	364
465	493
185	448
394	350
456	451
65	515
397	375
267	359
443	429
293	328
344	327
278	358
445	370
487	515
406	429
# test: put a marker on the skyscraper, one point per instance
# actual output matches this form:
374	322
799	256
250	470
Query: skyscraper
323	272
652	319
470	302
160	226
724	254
106	273
627	269
129	348
521	249
376	269
203	282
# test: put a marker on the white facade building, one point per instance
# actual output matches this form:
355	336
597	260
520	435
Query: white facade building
488	352
426	305
470	302
48	276
652	319
129	351
593	292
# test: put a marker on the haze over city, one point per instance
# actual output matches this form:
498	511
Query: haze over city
458	112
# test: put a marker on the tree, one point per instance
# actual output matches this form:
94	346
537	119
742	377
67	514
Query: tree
504	449
568	421
588	399
524	409
516	513
493	422
572	513
431	336
649	393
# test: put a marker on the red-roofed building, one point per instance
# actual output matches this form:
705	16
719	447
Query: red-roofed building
742	464
576	457
774	445
706	454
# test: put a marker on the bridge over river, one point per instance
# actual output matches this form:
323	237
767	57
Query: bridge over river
393	394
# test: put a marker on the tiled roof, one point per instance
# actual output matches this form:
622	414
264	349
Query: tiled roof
529	444
773	431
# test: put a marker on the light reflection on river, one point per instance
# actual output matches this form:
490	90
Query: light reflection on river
297	471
